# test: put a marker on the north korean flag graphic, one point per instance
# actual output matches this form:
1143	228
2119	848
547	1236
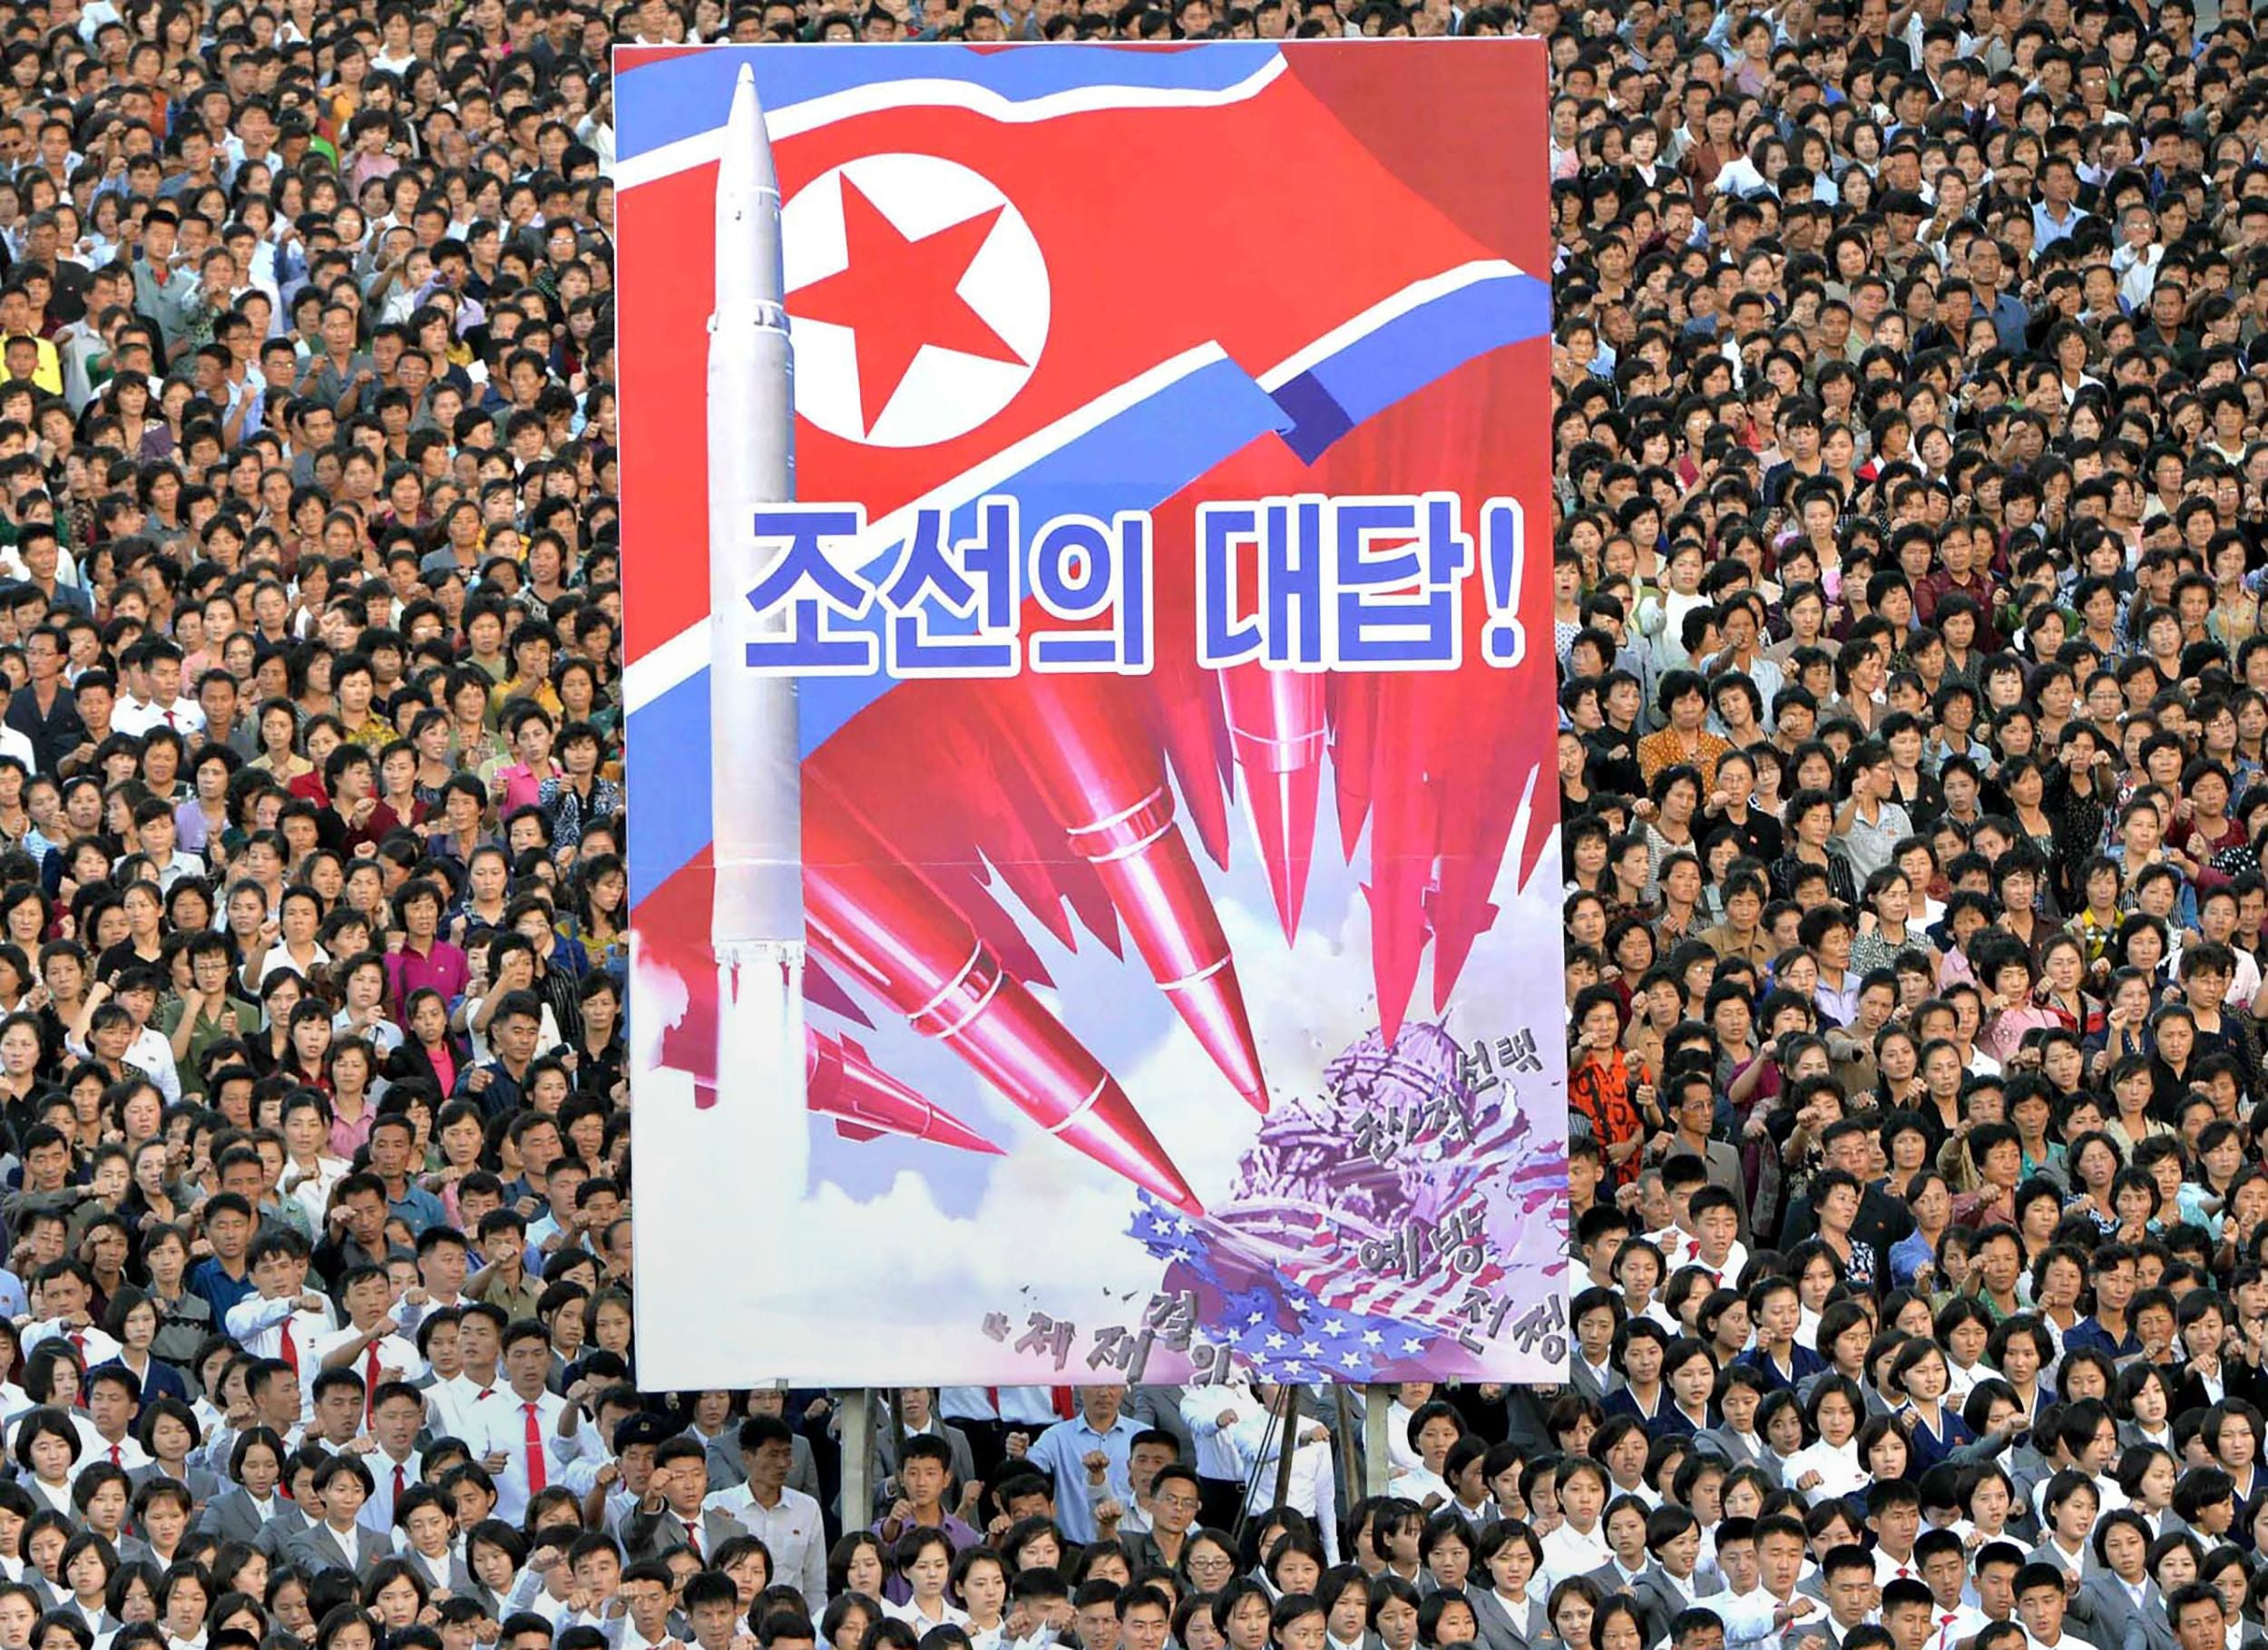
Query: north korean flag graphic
1130	240
1096	280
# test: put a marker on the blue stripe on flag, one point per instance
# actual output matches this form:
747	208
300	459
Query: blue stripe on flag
1403	356
1133	461
683	97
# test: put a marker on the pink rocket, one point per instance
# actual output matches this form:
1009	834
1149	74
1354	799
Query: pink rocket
1276	727
885	922
1082	739
842	1081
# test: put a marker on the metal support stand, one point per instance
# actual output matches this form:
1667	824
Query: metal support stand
1375	1398
858	1491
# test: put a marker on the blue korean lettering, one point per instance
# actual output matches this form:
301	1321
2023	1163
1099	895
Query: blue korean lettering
1504	559
955	608
804	601
1223	638
1081	570
1292	579
1398	603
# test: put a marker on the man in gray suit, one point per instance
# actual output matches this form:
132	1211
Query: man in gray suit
670	1514
1851	1599
916	1418
2119	1607
1693	1113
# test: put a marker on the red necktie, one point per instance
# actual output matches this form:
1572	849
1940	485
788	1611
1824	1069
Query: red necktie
117	1455
370	1384
693	1537
400	1484
79	1341
535	1451
290	1347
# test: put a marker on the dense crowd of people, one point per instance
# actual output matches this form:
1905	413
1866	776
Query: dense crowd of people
1912	530
1911	441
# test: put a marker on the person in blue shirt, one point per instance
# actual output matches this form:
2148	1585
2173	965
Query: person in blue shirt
223	1280
2115	1273
1087	1458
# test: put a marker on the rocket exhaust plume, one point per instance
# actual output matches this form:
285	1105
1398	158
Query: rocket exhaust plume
757	802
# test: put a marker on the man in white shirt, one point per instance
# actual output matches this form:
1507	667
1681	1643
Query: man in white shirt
396	1411
285	1318
647	1590
65	1287
1260	1446
444	1261
2041	1599
1753	1614
480	1344
113	1396
523	1434
1212	1414
1944	1563
371	1344
153	693
785	1520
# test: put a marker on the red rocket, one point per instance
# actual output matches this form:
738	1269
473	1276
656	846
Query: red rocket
886	921
1275	726
1082	741
842	1081
1353	725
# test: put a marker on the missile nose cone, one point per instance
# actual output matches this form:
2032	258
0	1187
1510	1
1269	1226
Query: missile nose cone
946	1130
748	270
1110	1130
1282	810
1213	1006
744	128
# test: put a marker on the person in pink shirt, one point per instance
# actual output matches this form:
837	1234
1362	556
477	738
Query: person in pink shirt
521	782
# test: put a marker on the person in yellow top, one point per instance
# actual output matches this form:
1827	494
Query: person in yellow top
20	323
354	685
1685	742
533	644
29	356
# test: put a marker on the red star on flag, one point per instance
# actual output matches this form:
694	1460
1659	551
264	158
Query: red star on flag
899	295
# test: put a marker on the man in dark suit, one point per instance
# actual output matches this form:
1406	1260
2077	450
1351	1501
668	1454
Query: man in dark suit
1851	1599
1881	1221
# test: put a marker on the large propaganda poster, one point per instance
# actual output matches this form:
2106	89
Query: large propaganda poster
1091	708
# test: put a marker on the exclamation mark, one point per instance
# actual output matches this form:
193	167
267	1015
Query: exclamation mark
1503	554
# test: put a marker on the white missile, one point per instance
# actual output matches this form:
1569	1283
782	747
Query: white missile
757	921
